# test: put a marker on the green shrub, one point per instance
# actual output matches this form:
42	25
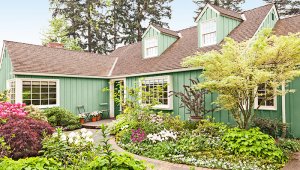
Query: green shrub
120	161
29	163
61	117
252	142
208	128
268	126
72	149
35	113
289	146
124	136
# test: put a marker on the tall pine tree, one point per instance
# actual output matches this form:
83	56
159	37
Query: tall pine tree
143	11
286	7
228	4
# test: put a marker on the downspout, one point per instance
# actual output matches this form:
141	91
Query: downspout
284	127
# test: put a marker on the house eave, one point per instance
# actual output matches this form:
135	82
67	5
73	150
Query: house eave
157	72
58	75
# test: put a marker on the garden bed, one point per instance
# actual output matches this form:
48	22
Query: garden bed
203	144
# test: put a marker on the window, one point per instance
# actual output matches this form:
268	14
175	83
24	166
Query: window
157	89
12	91
151	48
208	33
40	93
273	16
265	99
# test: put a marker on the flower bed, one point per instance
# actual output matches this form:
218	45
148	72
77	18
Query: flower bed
204	144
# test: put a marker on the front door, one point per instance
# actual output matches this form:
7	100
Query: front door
118	96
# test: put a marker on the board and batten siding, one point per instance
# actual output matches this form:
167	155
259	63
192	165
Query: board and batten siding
179	79
80	91
268	21
164	41
5	70
224	24
183	78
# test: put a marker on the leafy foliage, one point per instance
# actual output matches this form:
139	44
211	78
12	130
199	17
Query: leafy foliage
4	148
236	71
30	163
35	113
61	117
71	150
193	99
268	126
252	142
58	32
24	135
289	146
3	96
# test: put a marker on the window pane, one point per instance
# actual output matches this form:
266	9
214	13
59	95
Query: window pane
44	102
27	102
36	102
36	96
52	101
26	96
44	96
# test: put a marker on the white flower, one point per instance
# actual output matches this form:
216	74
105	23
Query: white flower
89	134
72	135
71	140
55	135
63	137
83	130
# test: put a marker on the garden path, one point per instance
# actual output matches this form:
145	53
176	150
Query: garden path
293	164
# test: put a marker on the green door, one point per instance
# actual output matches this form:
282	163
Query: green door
118	95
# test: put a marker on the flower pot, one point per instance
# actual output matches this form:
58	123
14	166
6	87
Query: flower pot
195	118
98	117
81	120
94	119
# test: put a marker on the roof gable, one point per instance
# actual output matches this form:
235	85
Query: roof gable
220	11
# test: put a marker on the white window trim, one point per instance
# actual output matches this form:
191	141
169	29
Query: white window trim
201	31
170	88
19	90
145	49
265	107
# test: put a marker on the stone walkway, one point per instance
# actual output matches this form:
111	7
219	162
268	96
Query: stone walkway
293	164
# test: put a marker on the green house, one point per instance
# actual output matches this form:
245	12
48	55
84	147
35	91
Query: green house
48	77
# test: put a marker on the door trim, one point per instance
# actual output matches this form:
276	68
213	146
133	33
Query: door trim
111	99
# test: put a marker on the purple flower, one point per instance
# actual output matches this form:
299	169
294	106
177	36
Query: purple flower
138	135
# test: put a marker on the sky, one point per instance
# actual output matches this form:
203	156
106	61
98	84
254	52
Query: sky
26	20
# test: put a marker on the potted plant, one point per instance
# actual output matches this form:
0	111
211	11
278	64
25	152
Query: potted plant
82	117
94	116
99	115
193	99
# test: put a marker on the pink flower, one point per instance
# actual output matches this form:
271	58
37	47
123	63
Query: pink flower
7	109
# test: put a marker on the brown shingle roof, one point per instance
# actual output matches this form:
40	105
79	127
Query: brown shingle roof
39	59
288	25
227	12
166	31
248	28
130	59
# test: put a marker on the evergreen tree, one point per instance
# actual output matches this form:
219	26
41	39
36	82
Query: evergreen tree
286	7
87	23
228	4
142	11
57	32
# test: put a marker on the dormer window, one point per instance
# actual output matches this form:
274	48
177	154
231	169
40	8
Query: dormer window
208	33
151	47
